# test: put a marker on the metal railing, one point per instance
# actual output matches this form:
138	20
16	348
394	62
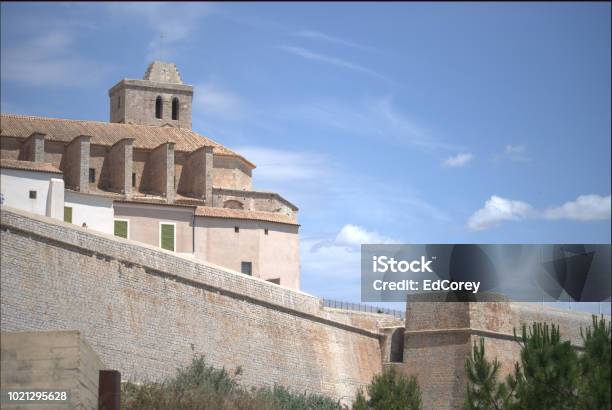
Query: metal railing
360	307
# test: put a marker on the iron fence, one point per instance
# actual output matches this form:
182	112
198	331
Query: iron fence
361	307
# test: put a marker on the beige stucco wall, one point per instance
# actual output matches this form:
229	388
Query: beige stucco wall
273	256
144	223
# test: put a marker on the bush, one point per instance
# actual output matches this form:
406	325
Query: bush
390	391
203	387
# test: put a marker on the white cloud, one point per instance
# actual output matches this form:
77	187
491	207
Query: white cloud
50	59
310	55
352	236
584	208
317	35
498	209
458	160
338	254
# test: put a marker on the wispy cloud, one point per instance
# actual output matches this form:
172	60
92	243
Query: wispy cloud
50	59
375	118
317	35
276	165
498	209
516	153
311	55
171	23
458	160
214	100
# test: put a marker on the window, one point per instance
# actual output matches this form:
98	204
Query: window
121	228
246	268
133	179
119	102
175	108
92	175
158	107
32	194
167	238
68	214
276	280
236	229
265	231
233	204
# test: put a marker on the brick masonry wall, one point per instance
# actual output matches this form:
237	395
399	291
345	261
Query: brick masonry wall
146	311
439	337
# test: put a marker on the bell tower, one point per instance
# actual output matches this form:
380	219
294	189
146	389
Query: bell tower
160	98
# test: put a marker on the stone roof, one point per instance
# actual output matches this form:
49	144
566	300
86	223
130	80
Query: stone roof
29	166
240	214
107	134
163	72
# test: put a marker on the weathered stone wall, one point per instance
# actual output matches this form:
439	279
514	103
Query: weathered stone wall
146	311
159	171
75	164
197	178
33	148
137	104
58	360
120	158
10	148
439	337
253	201
231	173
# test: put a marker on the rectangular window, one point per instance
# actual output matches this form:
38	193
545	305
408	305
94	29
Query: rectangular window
277	281
246	268
266	231
32	194
167	238
92	175
236	229
68	214
133	179
121	228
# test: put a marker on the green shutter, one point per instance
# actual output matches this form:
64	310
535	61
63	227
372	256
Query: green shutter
167	237
121	229
68	214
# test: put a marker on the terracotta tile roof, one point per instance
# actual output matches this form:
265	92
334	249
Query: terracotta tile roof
105	133
240	214
29	166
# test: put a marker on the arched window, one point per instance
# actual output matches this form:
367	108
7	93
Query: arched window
233	204
158	107
175	108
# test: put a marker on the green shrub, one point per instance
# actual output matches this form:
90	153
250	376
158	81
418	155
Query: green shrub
390	391
203	387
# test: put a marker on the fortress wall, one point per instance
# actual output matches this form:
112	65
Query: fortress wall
439	338
146	311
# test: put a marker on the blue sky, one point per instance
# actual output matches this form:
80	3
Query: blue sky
394	122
